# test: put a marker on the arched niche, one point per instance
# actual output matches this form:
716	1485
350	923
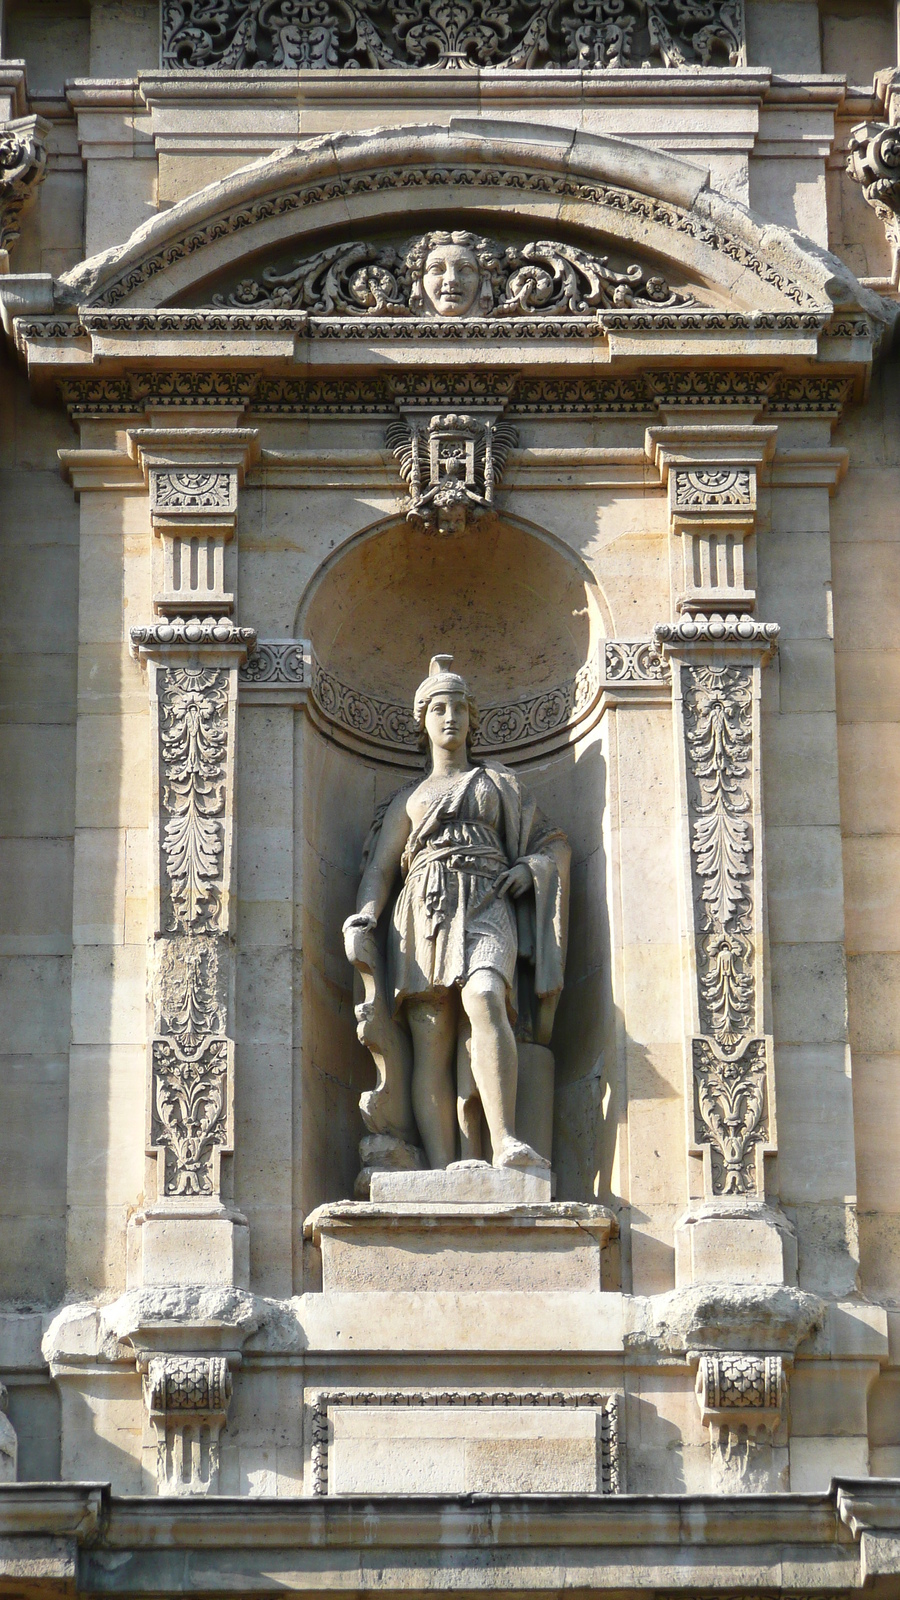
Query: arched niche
521	613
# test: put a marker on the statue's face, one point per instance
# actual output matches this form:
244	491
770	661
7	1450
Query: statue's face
451	280
447	721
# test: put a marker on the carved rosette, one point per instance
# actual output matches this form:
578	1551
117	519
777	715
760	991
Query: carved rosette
187	1399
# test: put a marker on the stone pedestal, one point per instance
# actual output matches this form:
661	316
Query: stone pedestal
467	1228
739	1241
173	1242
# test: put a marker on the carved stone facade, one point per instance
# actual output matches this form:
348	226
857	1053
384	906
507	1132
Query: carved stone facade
422	33
449	846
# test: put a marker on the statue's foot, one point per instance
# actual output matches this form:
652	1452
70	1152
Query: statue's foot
513	1153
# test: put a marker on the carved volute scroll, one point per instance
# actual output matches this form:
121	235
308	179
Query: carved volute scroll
453	275
424	33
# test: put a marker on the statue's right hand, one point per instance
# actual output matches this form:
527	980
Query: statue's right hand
357	932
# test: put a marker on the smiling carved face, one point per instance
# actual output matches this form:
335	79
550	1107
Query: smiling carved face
451	280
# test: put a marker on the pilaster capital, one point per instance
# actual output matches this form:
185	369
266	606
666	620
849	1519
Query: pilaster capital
193	475
694	636
212	640
709	444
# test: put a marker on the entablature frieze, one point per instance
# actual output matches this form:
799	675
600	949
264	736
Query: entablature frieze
650	392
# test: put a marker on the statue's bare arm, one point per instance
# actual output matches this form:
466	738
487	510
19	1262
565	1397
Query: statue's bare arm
381	873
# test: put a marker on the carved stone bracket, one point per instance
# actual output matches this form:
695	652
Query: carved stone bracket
873	161
711	474
193	475
741	1398
23	159
187	1399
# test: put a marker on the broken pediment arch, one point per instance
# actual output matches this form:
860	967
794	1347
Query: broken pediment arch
605	196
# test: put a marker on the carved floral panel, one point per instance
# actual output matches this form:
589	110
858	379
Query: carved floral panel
586	34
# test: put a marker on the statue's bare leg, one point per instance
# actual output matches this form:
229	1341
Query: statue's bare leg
432	1024
495	1067
468	1104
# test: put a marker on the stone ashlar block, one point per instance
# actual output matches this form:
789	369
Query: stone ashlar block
459	1247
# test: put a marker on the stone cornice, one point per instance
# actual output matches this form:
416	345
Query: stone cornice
303	1544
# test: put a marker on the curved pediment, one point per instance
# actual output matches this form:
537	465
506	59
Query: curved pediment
686	248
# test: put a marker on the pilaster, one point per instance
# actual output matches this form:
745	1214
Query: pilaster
189	1230
717	650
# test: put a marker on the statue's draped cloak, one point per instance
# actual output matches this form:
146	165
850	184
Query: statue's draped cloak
449	922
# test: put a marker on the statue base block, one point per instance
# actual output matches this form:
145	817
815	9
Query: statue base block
459	1245
465	1183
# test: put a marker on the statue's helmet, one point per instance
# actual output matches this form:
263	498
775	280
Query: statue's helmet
442	680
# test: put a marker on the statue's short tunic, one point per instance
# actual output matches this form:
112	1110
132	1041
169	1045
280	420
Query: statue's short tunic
448	921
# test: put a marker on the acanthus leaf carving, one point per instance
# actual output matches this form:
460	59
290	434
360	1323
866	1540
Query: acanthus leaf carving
193	708
719	741
451	34
731	1111
481	278
190	988
190	1112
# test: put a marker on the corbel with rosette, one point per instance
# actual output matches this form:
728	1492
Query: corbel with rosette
192	650
716	649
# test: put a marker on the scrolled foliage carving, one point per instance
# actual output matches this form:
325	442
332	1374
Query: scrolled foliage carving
731	1111
190	1113
490	280
451	34
193	734
719	740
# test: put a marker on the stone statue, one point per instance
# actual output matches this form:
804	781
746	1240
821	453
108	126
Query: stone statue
463	984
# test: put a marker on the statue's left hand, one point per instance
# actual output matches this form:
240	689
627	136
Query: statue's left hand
516	881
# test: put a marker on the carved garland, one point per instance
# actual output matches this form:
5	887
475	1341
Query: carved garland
605	1404
642	208
321	34
190	1113
190	1054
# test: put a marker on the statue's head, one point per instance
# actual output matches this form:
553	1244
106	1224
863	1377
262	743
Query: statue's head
452	274
444	711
